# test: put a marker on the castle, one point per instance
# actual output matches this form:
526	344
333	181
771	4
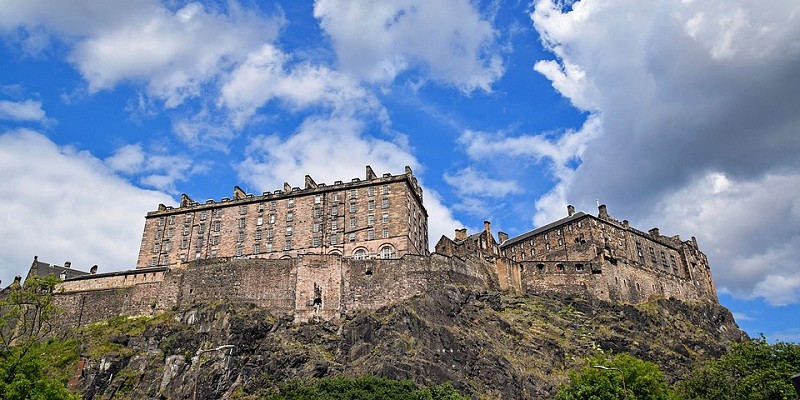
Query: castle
325	250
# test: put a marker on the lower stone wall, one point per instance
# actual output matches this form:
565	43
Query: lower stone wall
619	281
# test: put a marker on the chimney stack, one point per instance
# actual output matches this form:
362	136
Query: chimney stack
502	236
486	227
67	264
653	232
461	234
570	210
603	211
93	270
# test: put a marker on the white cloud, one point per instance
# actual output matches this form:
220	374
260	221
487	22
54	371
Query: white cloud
153	168
450	41
174	52
696	102
264	76
63	204
330	150
469	181
28	110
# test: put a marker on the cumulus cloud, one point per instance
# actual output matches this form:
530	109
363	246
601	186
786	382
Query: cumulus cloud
451	41
696	103
27	110
173	52
330	149
53	195
265	76
153	168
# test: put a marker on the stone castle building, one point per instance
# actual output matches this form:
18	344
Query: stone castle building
323	251
379	217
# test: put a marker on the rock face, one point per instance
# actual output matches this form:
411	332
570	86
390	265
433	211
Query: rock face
488	344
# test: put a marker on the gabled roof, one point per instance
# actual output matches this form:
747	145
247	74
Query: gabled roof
44	269
544	228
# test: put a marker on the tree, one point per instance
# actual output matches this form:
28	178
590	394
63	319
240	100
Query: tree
365	388
619	377
25	314
749	370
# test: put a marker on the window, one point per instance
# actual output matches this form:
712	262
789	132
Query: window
559	267
371	205
272	218
335	196
197	255
387	252
385	218
352	237
238	250
533	252
172	220
315	241
385	190
385	233
240	239
370	234
269	248
185	230
202	228
187	218
158	235
560	241
184	243
289	230
290	203
287	245
334	239
156	248
218	213
334	225
289	216
258	234
578	267
153	261
353	193
261	207
317	199
352	207
241	223
547	246
316	228
352	222
169	232
217	226
243	209
215	240
371	191
370	220
203	215
317	212
161	221
270	232
360	254
272	206
335	210
256	248
200	243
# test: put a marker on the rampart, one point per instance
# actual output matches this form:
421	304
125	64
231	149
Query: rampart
307	287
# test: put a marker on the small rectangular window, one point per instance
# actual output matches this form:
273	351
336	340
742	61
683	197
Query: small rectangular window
203	215
335	210
256	248
385	233
241	223
289	216
315	241
260	221
371	191
272	218
334	225
215	240
385	190
287	245
317	199
290	203
371	205
353	193
352	207
258	234
385	218
289	230
243	209
334	239
370	220
352	222
370	234
269	247
316	228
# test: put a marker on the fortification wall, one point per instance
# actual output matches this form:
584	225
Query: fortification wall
80	308
623	282
264	282
108	281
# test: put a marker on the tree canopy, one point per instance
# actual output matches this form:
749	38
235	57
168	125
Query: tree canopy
753	370
619	377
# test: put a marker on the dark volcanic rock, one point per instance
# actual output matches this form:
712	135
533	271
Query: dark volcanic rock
487	344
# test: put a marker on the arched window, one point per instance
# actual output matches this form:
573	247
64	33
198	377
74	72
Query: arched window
387	252
360	254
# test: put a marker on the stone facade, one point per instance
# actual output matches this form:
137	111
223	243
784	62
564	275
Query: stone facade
379	217
599	255
362	245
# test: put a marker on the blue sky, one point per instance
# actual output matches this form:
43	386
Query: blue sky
680	115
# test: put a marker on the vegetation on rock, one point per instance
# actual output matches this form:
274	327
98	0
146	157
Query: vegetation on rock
619	377
364	388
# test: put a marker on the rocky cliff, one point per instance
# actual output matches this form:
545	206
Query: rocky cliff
488	344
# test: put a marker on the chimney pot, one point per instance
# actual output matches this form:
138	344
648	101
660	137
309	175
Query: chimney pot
67	264
570	210
603	211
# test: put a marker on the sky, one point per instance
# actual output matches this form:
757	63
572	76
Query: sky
682	115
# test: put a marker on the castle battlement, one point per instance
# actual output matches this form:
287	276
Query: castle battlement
323	251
